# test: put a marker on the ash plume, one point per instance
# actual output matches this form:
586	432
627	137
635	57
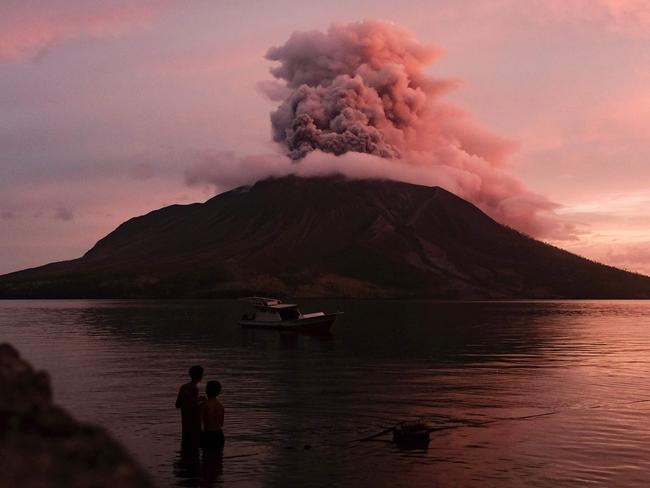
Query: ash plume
359	87
362	88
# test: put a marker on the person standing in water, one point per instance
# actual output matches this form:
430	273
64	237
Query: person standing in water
212	414
189	402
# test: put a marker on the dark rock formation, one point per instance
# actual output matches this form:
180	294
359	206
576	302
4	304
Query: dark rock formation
41	446
324	237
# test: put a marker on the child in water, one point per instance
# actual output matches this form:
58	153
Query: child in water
212	413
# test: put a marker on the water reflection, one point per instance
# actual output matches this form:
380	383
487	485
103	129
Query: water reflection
119	363
187	467
398	330
197	468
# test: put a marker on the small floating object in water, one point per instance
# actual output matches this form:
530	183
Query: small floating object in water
411	435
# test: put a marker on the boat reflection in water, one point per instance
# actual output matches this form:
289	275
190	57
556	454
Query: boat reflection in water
271	313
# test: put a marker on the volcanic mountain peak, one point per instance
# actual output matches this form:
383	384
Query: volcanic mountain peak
325	236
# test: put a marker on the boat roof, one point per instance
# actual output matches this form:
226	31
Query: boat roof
261	301
282	305
267	302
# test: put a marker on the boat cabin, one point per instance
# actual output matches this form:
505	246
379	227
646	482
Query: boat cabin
271	310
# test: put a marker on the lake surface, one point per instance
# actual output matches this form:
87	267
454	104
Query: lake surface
579	371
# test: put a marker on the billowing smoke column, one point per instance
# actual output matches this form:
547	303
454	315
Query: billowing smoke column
357	88
361	88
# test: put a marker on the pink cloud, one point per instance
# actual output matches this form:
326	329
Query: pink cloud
627	113
613	229
628	17
623	16
29	28
630	256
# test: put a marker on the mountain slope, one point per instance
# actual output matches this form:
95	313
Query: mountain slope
324	237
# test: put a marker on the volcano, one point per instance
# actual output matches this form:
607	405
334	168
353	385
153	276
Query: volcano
324	237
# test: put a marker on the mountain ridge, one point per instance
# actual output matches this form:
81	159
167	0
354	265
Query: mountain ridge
324	237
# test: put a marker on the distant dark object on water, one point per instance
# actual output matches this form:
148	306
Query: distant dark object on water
411	435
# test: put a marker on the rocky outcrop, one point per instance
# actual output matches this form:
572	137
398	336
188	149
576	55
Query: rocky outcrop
42	446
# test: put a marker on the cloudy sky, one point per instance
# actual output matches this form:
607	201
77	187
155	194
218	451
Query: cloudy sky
107	108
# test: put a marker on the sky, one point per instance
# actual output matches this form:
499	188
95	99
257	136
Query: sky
111	109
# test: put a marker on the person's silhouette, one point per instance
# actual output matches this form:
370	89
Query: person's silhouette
189	402
212	414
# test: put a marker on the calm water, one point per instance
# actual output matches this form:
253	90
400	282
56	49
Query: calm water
585	364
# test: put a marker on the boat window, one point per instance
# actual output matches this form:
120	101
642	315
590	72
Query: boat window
289	314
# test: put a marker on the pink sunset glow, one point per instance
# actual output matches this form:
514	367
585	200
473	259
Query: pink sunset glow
537	111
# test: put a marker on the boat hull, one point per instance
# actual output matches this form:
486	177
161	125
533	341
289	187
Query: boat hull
314	325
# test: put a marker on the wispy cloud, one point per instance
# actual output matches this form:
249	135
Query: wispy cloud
29	29
63	213
614	229
623	16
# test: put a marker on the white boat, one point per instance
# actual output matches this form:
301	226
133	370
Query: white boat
271	313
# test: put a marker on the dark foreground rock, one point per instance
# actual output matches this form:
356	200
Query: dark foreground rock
42	446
